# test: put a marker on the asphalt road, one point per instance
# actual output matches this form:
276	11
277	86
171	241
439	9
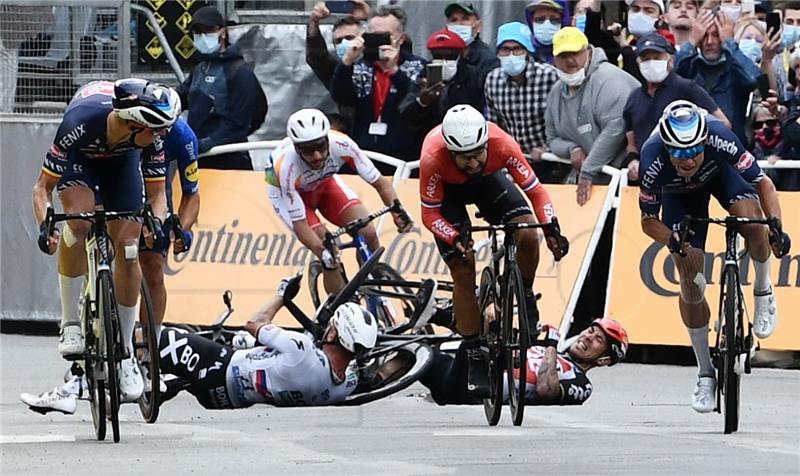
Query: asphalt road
638	421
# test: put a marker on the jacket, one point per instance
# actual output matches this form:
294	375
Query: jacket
592	118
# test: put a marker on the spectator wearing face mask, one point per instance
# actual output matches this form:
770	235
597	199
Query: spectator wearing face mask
753	42
679	17
516	94
222	94
463	19
589	18
787	179
646	104
713	60
545	18
643	16
583	119
426	103
376	88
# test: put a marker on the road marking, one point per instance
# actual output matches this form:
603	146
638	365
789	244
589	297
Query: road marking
16	439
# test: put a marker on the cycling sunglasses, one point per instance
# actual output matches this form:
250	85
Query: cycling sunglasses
689	153
309	148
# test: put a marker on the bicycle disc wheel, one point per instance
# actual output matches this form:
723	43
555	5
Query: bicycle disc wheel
490	313
730	351
108	309
515	331
315	282
146	351
94	379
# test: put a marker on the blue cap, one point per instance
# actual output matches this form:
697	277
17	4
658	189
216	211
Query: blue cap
515	31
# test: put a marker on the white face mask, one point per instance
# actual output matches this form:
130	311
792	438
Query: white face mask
654	71
572	79
733	11
639	24
449	69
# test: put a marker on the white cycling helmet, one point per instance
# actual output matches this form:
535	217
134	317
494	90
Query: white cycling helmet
148	104
307	125
464	128
683	125
355	326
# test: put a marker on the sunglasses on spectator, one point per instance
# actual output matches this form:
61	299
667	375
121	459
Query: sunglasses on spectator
319	145
768	122
513	50
336	41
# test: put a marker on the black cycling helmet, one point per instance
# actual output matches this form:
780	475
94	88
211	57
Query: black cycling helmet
149	104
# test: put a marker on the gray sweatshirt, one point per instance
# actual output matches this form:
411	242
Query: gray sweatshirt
591	118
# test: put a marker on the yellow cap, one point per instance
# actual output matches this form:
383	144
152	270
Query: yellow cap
569	40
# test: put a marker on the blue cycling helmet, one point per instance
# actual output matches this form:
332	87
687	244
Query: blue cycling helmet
683	128
148	104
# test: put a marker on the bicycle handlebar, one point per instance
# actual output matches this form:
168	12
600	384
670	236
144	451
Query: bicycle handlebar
354	226
729	221
51	218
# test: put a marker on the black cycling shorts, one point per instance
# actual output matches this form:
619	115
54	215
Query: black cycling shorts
497	197
117	182
199	361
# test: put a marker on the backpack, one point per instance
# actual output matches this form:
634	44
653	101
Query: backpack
260	112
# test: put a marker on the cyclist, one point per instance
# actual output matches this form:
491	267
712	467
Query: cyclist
554	378
465	160
301	178
95	159
689	158
180	146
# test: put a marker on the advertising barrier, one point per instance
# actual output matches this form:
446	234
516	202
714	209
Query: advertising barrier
645	289
241	244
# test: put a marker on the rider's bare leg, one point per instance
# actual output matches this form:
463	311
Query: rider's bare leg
127	274
527	250
465	306
693	306
72	252
756	241
152	265
368	232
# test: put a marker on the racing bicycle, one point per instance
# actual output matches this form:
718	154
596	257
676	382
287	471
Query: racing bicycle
734	339
510	328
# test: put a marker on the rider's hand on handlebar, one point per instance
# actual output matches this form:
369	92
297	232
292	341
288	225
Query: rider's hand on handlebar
403	222
329	260
558	244
780	247
551	336
465	250
674	243
155	239
181	239
48	244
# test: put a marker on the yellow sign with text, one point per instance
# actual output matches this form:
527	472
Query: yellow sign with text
241	244
645	289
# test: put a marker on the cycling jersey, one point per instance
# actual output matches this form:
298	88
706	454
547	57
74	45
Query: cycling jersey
180	146
437	169
728	172
288	175
575	386
287	370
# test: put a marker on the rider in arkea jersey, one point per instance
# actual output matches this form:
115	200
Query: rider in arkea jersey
691	157
554	378
468	160
301	179
95	159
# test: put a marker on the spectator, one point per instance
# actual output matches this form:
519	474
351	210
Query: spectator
679	17
545	18
789	179
713	60
516	94
321	61
584	108
642	18
376	89
425	104
646	104
753	42
222	94
589	18
463	19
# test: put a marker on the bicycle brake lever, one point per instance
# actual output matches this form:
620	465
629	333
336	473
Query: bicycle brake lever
227	298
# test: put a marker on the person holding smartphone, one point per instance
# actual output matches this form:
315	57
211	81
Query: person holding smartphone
450	80
373	77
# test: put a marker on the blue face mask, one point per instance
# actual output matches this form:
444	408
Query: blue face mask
341	48
206	43
513	65
580	22
789	35
751	48
545	31
464	31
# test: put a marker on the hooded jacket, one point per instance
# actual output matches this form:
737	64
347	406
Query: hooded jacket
592	118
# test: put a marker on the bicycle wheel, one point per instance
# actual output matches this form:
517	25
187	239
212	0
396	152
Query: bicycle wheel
391	372
516	339
108	313
388	310
93	365
146	351
490	313
731	343
315	282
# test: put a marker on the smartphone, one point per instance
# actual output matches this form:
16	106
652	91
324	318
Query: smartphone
372	42
434	73
773	23
345	7
763	86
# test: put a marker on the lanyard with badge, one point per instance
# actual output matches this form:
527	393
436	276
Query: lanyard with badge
383	83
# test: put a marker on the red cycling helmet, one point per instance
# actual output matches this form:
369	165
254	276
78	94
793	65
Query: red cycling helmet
616	337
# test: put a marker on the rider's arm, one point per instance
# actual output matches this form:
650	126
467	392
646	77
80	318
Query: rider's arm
308	237
548	387
43	194
264	315
431	193
524	176
189	207
157	196
768	196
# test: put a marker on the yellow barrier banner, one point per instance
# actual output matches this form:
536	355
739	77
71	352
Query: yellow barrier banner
645	289
241	244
